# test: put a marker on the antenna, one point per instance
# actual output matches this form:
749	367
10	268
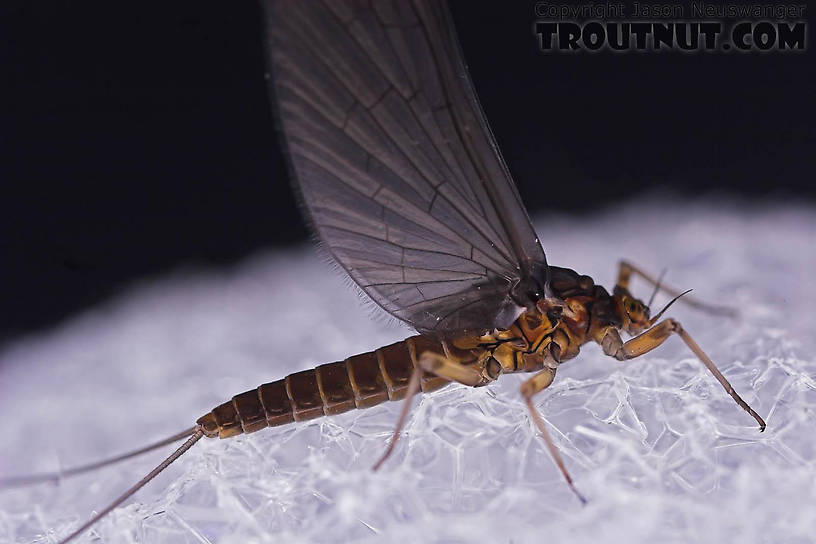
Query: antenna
196	436
666	307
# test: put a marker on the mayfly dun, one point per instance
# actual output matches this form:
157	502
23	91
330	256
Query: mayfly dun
404	184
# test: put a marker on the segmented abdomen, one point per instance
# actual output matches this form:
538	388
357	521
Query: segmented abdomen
358	382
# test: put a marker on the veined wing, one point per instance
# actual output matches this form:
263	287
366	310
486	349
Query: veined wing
400	174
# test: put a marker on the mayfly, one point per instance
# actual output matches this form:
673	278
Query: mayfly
405	186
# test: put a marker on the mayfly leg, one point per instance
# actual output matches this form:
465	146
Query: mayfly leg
626	269
654	337
529	388
413	388
438	365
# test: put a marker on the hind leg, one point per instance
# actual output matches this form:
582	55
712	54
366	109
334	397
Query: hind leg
480	373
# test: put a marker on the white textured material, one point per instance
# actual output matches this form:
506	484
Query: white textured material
659	449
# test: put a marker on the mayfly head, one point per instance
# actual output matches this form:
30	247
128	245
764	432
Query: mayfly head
634	313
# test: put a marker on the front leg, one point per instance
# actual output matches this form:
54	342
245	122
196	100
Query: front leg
626	269
649	340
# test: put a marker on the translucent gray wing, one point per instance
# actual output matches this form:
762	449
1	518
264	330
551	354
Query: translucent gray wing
397	167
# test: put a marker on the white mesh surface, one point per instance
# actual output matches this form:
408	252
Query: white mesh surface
659	449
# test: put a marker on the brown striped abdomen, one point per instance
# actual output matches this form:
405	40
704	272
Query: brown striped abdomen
358	382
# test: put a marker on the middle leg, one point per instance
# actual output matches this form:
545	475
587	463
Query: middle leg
536	384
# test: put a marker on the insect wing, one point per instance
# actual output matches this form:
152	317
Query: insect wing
397	167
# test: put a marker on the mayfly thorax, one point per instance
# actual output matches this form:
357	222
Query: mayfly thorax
402	180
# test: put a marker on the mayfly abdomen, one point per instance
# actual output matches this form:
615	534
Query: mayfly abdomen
360	381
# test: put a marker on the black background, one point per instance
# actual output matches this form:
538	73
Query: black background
137	137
